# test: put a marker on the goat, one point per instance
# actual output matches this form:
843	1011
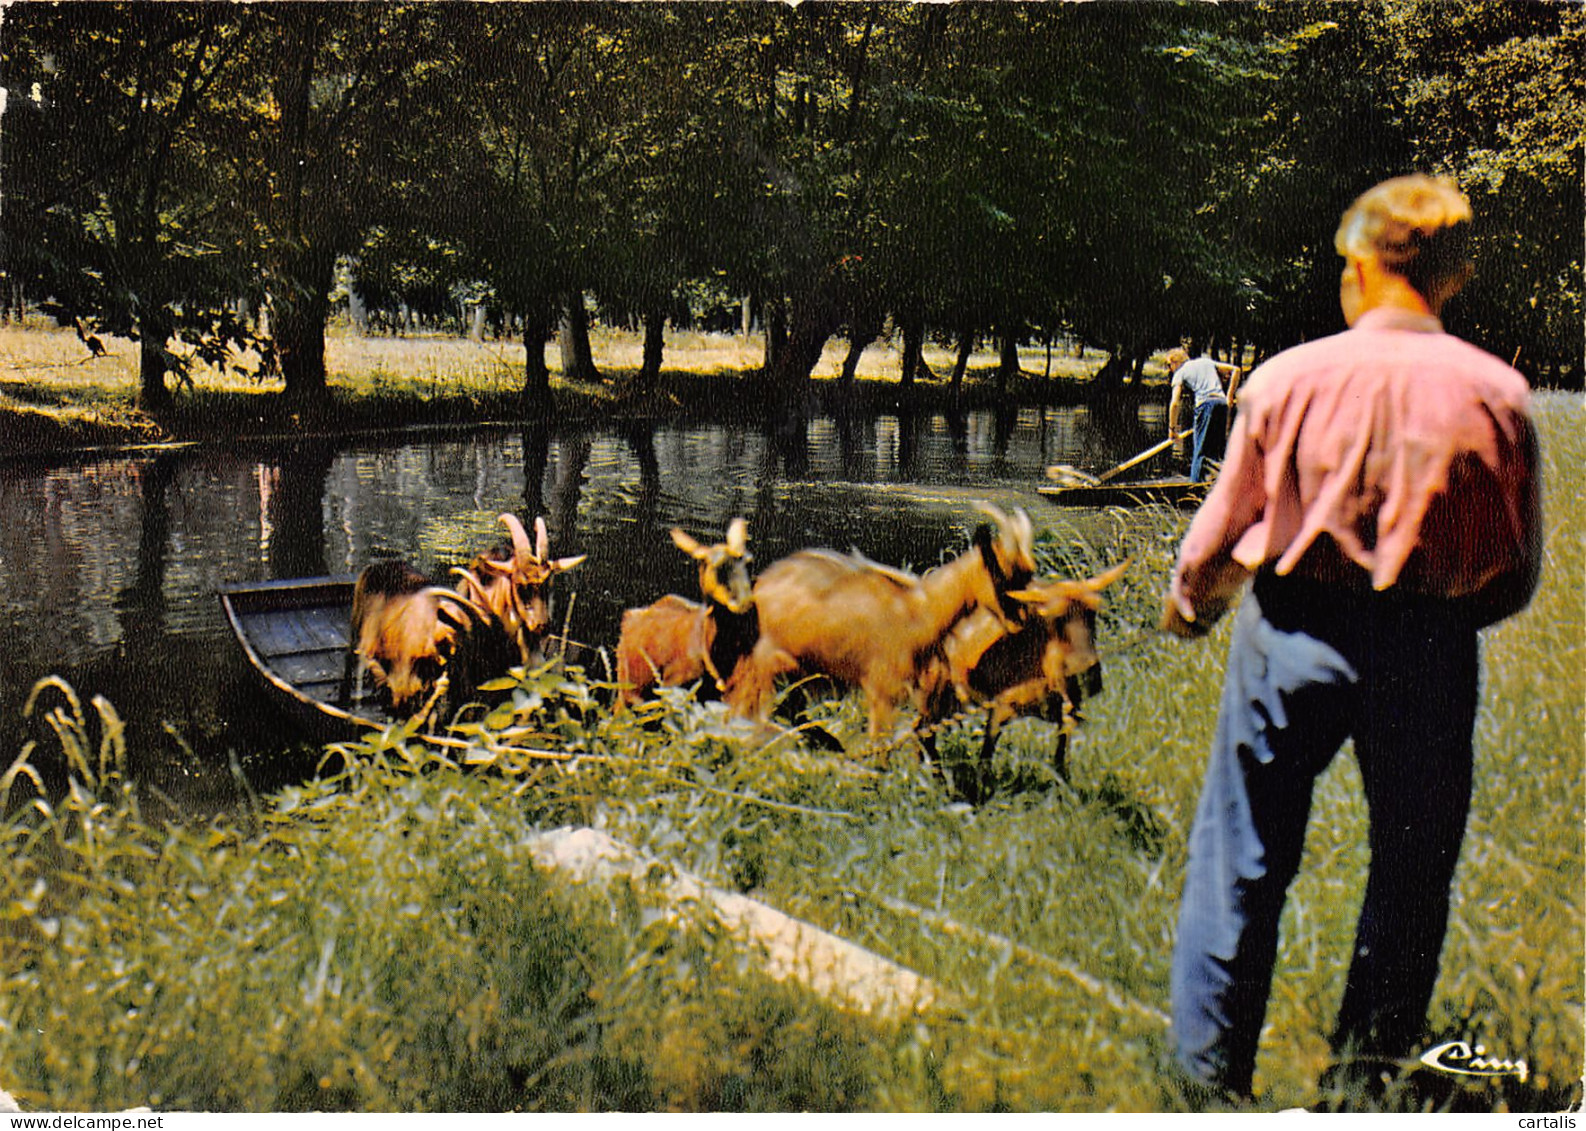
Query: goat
512	583
405	628
676	641
1044	668
871	626
398	633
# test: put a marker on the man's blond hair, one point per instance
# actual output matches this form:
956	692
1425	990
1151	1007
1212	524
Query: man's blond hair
1415	226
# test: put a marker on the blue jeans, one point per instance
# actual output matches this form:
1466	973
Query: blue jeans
1211	436
1309	667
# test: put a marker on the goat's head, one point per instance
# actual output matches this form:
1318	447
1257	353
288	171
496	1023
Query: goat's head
1068	608
1009	557
723	567
512	582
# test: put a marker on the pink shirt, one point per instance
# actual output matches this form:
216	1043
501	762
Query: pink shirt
1392	454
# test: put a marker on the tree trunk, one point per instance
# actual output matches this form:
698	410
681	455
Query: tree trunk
153	364
536	374
810	325
913	365
299	325
966	345
861	332
1008	363
578	362
774	315
654	346
305	267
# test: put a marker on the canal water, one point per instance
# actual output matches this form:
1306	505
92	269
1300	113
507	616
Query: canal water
108	567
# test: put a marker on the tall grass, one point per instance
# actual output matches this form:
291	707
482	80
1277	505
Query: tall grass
379	939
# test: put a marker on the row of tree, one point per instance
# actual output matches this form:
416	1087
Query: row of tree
1127	173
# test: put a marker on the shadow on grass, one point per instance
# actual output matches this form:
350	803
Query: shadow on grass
48	421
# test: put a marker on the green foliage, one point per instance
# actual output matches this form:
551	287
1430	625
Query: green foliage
379	938
1132	172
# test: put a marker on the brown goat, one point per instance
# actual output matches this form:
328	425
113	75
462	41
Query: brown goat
513	583
1044	668
398	633
405	629
870	626
677	641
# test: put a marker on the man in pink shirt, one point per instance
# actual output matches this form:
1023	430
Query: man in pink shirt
1381	488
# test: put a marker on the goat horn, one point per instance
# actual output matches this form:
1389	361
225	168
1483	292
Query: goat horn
450	595
542	539
472	582
737	537
520	537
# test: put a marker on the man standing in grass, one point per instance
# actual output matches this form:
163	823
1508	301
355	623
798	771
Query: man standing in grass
1381	486
1203	377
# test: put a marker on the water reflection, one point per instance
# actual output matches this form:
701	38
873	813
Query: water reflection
108	569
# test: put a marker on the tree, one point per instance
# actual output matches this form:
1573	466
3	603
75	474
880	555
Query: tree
111	203
337	86
542	109
1494	96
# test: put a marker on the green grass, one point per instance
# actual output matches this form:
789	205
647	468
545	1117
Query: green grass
55	396
378	939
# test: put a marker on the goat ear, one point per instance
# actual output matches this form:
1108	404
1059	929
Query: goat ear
683	542
542	538
992	512
737	537
1030	596
1022	532
1102	580
561	565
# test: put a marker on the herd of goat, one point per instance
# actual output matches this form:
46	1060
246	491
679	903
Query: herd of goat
979	631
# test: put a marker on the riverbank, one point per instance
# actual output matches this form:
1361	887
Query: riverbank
56	397
384	938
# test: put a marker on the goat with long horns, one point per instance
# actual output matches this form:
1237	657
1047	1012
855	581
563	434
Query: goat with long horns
406	629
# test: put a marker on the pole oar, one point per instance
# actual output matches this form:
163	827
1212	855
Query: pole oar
1064	473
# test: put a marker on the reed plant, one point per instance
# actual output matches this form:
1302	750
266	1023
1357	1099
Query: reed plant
378	938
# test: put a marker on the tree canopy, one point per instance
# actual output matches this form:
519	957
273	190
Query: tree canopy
1129	174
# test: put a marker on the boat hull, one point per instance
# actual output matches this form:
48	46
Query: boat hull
1167	492
294	637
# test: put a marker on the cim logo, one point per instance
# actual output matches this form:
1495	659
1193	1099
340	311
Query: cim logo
1463	1060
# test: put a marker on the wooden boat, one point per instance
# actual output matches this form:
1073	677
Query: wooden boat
294	636
1176	491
